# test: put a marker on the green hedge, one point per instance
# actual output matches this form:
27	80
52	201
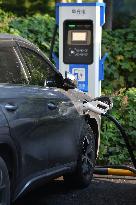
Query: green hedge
121	62
112	149
120	72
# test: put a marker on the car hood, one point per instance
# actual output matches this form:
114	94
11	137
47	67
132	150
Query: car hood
13	91
20	91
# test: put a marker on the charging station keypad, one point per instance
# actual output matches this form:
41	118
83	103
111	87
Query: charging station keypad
78	42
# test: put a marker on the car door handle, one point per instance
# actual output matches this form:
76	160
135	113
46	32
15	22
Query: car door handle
52	106
10	107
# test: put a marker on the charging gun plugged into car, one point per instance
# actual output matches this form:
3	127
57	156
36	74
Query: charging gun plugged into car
80	34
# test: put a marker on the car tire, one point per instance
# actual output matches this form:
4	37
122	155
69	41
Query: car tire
86	160
4	184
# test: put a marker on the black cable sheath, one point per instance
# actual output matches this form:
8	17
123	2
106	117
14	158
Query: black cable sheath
101	171
53	41
125	137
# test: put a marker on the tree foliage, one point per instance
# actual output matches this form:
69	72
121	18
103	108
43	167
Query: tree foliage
123	12
28	7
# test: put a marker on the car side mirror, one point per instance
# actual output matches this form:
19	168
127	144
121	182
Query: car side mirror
70	81
49	83
56	81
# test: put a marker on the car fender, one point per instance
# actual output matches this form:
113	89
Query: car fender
78	99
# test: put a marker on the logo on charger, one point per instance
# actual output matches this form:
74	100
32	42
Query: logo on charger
79	73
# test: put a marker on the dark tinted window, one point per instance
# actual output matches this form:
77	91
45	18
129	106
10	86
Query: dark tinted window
39	69
10	67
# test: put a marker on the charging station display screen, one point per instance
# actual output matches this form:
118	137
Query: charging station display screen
79	36
78	42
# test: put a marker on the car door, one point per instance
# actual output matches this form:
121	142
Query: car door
59	127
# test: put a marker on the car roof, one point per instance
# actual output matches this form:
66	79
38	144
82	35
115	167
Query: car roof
11	37
6	36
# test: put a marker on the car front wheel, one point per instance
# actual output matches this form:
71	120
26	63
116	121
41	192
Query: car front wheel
4	184
86	161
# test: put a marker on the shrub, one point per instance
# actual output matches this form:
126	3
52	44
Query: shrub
5	19
38	29
113	149
120	67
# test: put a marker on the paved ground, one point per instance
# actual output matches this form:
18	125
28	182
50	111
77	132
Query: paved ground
102	191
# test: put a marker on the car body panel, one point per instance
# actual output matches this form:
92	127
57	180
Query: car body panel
46	138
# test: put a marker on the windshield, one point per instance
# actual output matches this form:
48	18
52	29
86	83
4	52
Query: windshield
11	70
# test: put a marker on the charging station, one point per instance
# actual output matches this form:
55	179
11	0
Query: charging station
80	35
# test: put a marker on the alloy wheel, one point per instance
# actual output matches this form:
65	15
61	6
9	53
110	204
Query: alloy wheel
87	152
3	188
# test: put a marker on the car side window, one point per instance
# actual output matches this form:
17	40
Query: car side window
11	70
38	68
